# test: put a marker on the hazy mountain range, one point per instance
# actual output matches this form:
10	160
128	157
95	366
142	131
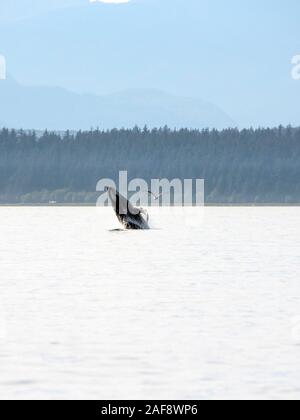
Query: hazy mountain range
59	109
234	54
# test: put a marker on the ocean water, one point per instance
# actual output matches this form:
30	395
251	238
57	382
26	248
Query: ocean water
204	306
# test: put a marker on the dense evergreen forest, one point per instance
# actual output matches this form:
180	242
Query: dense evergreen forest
259	166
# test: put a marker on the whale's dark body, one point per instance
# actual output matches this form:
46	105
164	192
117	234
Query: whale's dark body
132	218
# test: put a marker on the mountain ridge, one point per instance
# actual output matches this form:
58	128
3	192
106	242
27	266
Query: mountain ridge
56	108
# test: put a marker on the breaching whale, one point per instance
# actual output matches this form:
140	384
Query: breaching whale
132	218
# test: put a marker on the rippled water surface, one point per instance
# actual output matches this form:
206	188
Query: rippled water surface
204	306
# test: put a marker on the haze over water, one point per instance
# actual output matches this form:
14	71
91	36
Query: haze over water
199	308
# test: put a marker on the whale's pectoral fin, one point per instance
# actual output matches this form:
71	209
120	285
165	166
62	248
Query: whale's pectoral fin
145	213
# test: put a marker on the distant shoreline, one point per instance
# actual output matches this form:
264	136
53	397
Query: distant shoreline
206	205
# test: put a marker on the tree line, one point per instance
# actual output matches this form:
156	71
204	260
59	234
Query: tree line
239	166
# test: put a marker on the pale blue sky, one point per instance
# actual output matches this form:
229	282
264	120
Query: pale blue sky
236	54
